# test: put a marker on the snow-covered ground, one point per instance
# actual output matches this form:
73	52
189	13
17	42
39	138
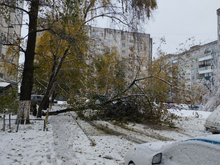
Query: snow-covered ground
71	141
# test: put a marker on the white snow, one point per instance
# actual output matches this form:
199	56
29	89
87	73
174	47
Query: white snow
69	140
4	84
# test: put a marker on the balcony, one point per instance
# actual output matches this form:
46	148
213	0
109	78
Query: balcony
207	77
206	69
205	57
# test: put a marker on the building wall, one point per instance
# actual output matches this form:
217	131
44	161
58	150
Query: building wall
10	30
135	48
202	60
218	20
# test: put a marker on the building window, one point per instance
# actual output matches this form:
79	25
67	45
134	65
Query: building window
101	34
109	42
123	44
92	48
131	41
100	42
116	43
110	35
93	33
1	75
117	35
123	52
130	55
131	48
123	38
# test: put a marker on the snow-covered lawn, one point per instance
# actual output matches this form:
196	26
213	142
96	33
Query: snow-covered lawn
71	141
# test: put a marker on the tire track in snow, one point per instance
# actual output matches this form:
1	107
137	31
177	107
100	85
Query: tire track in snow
126	133
151	134
101	130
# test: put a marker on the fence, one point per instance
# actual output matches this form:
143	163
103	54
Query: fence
18	122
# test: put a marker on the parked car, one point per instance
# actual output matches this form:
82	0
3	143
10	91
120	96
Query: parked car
54	101
196	107
166	105
183	106
174	106
201	150
212	123
37	98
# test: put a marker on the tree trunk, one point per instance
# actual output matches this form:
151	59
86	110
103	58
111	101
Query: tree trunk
27	79
48	91
54	94
53	76
24	115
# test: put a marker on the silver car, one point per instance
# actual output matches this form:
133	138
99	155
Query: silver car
201	150
212	123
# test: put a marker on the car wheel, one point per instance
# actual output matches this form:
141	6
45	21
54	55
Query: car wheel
131	163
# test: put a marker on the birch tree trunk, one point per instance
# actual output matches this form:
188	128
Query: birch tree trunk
24	114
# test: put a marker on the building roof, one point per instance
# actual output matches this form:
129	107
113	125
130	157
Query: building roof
4	84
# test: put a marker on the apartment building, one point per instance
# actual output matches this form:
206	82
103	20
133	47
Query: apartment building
218	20
203	59
10	30
200	61
132	47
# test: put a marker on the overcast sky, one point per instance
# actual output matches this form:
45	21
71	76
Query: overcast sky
178	20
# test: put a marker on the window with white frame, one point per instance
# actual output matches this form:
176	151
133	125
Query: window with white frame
109	42
116	43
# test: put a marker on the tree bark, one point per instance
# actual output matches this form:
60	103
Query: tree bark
53	76
27	79
24	114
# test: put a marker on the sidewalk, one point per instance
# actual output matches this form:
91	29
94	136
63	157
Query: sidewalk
72	146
